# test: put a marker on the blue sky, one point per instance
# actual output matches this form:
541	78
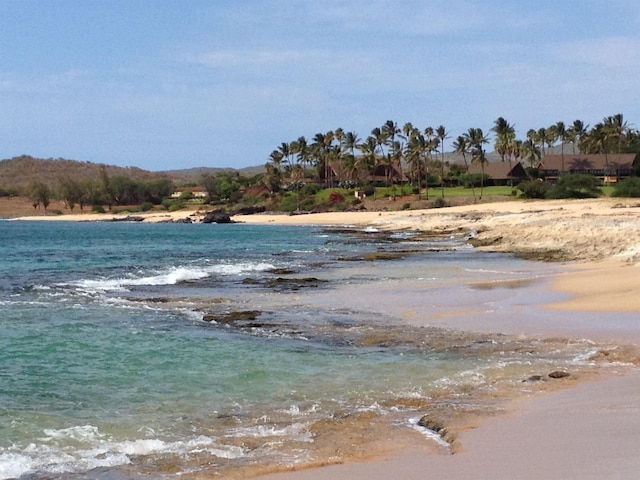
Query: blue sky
162	84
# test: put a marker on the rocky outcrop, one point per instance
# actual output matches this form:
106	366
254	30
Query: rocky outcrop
217	216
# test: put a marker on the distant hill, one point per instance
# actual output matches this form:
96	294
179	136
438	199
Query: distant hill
18	172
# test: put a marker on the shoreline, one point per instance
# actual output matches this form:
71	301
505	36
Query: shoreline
598	243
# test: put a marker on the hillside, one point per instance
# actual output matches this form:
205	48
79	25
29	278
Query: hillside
18	172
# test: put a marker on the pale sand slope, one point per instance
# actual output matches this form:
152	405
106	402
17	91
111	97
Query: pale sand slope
591	431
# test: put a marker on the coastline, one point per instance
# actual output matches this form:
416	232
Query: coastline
588	430
597	243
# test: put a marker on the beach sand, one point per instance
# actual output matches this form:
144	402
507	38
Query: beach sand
589	431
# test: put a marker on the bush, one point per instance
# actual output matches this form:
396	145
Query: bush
575	185
534	188
310	189
336	197
369	190
146	206
406	206
439	203
629	187
98	209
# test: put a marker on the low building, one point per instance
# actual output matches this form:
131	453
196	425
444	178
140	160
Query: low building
499	172
609	168
196	192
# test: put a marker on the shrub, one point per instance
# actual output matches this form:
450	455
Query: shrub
534	188
439	203
406	206
369	190
146	206
98	209
575	185
336	197
629	187
310	189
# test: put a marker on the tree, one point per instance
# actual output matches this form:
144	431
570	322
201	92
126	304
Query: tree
442	135
107	190
70	192
577	132
40	194
476	139
505	140
461	146
563	135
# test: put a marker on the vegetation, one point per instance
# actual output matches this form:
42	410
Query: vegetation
575	186
326	172
628	187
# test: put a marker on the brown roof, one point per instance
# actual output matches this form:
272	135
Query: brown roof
600	161
499	170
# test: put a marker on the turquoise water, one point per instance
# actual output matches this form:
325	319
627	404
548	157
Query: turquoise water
107	369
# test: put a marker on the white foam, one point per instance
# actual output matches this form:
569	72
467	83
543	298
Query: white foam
83	448
171	276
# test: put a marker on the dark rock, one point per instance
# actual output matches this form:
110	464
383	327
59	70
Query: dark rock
293	283
231	317
430	424
128	218
281	271
217	216
250	210
534	378
559	374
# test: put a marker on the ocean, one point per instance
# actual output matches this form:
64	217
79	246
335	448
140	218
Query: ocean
134	350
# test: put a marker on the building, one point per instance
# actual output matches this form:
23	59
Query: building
499	172
609	168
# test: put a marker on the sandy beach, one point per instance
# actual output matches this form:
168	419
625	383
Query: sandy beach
589	431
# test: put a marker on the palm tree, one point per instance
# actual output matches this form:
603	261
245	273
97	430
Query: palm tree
530	151
476	139
577	132
442	135
563	135
461	146
542	137
505	140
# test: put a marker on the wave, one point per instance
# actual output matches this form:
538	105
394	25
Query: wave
83	448
170	276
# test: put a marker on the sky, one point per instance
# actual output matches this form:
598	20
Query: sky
172	84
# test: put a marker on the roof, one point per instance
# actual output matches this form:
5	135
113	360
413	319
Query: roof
582	162
499	170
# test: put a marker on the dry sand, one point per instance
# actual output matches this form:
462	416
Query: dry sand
591	431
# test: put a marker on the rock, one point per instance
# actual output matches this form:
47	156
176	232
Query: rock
217	216
430	424
534	378
249	210
231	317
559	374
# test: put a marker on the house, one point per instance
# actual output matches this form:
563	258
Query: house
609	168
499	172
196	192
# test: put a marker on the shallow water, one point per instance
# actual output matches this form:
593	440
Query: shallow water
107	369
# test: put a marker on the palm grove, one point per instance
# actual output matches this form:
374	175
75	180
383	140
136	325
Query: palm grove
337	158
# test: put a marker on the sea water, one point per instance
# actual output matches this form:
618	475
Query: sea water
109	370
